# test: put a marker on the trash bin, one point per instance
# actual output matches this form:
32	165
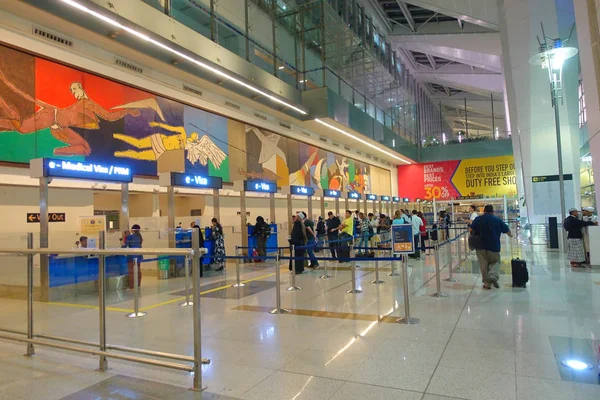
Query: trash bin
163	268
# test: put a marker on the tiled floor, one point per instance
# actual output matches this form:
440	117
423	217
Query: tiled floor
479	345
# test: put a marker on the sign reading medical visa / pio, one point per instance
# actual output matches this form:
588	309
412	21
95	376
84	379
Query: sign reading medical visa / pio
92	225
402	239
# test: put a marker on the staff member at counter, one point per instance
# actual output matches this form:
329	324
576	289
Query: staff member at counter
134	241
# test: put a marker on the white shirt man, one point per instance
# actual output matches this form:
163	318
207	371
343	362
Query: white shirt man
474	214
416	224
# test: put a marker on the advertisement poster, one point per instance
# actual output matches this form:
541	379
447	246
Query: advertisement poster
90	226
490	177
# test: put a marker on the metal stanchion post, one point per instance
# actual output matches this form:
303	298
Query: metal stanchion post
293	287
238	283
187	301
377	281
103	363
278	309
198	360
30	348
136	292
450	265
325	274
354	289
393	272
407	319
438	281
461	238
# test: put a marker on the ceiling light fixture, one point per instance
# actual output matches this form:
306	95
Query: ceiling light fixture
362	141
576	365
199	63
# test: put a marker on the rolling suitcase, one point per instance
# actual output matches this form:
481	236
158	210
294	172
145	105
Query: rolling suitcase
520	275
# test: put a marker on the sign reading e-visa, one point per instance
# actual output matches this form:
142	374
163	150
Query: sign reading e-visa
196	181
354	195
302	190
385	198
336	194
402	239
52	168
260	186
372	197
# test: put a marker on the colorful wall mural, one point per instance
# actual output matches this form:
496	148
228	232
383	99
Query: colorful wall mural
51	110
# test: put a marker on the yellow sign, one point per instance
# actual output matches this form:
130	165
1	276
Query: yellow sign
92	225
489	177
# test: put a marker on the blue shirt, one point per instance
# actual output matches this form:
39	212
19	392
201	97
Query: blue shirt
490	228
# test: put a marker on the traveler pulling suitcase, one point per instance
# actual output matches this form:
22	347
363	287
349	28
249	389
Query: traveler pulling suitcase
520	275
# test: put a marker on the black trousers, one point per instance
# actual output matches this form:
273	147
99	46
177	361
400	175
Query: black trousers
298	260
332	246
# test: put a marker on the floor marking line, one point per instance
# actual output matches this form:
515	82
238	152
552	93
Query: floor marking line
324	314
164	303
85	306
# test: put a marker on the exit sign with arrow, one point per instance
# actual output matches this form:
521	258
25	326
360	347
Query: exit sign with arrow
33	218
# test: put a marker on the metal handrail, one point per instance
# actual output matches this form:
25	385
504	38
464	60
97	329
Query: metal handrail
104	252
103	352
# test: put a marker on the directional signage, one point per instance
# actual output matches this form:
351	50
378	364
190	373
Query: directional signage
385	198
84	170
260	186
197	181
402	239
34	218
332	193
551	178
396	199
302	190
372	197
354	195
406	200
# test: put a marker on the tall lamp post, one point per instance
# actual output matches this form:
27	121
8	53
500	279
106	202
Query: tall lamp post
552	57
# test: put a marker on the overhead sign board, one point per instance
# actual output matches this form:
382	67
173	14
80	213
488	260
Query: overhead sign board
372	197
402	239
52	168
260	186
336	194
34	218
396	199
196	181
551	178
302	190
406	200
354	195
385	198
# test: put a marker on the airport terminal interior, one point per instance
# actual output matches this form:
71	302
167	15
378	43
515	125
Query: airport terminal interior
299	199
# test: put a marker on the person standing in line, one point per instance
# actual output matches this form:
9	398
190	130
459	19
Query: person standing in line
474	214
423	230
333	223
311	237
364	232
321	232
134	241
346	230
219	244
490	228
398	220
298	239
417	223
574	226
373	223
442	226
588	215
262	231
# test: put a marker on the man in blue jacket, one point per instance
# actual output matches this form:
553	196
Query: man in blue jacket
490	228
